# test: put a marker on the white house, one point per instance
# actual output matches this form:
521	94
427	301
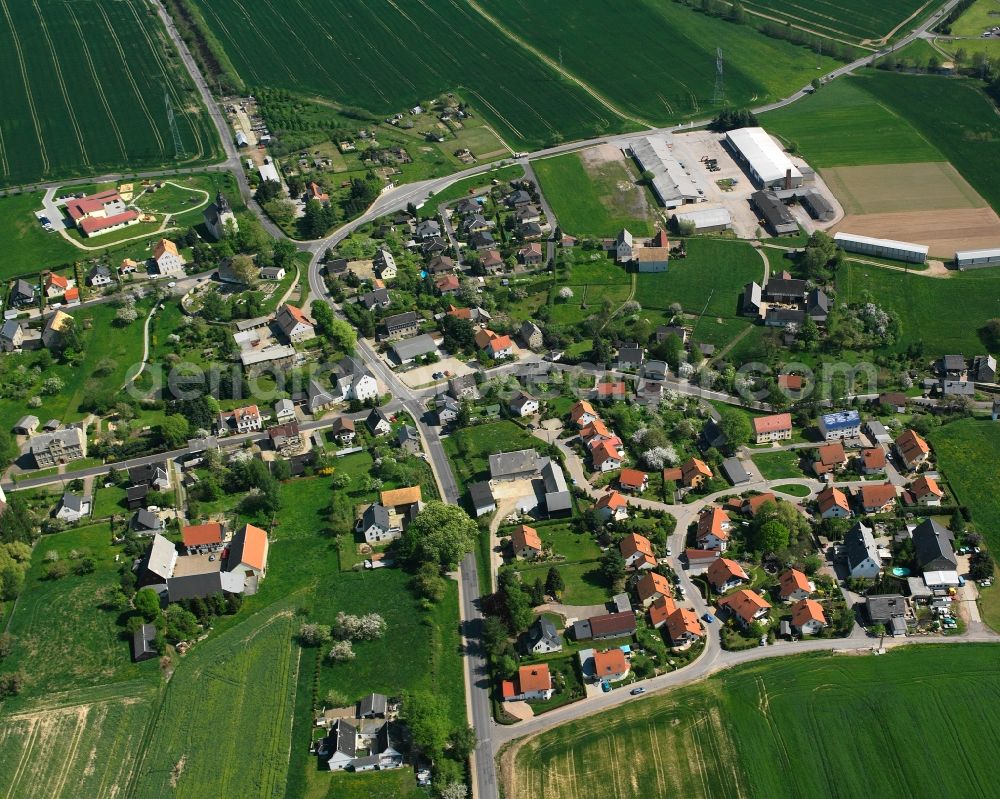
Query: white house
295	324
375	526
167	258
241	420
73	507
862	554
624	249
523	405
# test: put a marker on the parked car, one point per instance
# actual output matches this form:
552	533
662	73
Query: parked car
637	691
708	618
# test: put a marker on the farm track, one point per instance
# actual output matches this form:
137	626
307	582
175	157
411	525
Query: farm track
57	66
97	82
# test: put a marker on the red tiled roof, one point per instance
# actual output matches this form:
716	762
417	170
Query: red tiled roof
683	621
807	610
661	609
580	409
56	280
611	389
711	522
525	537
911	446
604	451
651	584
701	555
693	469
595	428
632	478
674	474
633	543
877	496
924	485
610	662
832	497
723	570
612	500
791	382
72	294
832	454
745	604
199	534
793	580
754	504
769	424
873	458
534	678
93	224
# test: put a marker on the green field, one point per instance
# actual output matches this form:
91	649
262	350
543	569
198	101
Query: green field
844	125
778	465
79	744
853	20
404	62
656	60
820	725
954	115
968	454
980	16
943	313
470	449
714	272
584	584
28	247
225	723
85	87
590	201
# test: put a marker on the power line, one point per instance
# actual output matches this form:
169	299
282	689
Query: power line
719	95
174	130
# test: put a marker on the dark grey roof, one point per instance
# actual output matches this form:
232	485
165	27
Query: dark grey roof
734	471
481	494
785	287
146	473
543	630
373	705
99	270
10	328
483	239
581	630
859	544
676	330
194	585
136	492
630	355
932	544
884	607
784	316
318	396
377	415
23	290
775	214
146	520
142	642
818	304
509	463
407	434
376	297
74	502
953	363
410	348
400	320
346	740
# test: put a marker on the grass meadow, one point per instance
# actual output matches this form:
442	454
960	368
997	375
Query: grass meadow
945	314
587	201
778	465
710	278
968	453
844	125
814	725
85	92
469	449
656	60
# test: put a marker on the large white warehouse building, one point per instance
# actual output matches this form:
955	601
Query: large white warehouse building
672	183
882	248
974	259
766	162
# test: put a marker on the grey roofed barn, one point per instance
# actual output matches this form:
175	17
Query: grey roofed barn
511	465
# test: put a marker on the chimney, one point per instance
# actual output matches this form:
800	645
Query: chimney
788	178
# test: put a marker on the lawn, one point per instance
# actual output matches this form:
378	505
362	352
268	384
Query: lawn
566	540
85	94
980	16
968	454
655	60
594	268
397	784
792	489
108	501
844	125
814	725
778	465
110	352
462	188
225	722
28	248
598	200
470	449
584	583
709	279
944	314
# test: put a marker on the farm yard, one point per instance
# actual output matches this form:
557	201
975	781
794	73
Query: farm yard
883	142
594	193
85	92
799	726
405	62
654	60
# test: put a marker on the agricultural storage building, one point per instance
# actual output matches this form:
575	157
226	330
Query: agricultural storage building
817	206
672	183
882	248
975	259
269	172
764	160
776	216
706	220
